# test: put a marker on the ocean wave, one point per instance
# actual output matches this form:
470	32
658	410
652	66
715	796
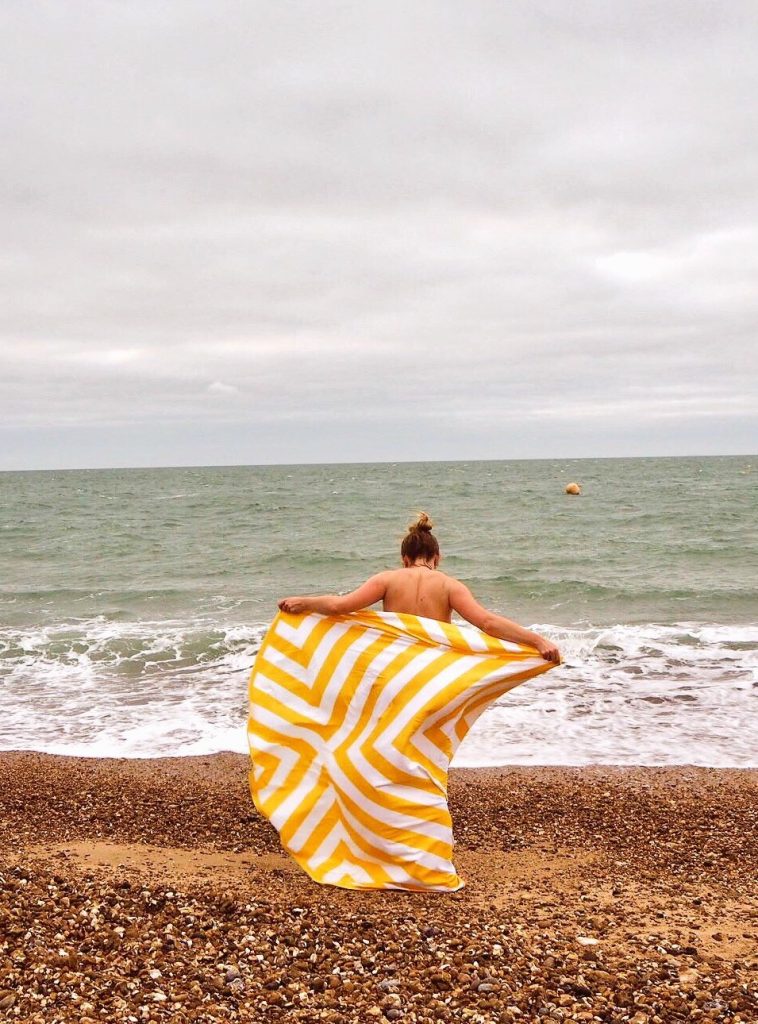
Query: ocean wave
126	647
653	693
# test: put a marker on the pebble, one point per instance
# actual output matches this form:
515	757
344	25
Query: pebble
277	948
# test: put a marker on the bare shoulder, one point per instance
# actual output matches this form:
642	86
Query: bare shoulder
381	579
451	583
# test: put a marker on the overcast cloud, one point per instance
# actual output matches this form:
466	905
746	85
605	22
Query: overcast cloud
258	232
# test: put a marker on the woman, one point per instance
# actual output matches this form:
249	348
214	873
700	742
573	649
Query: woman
420	589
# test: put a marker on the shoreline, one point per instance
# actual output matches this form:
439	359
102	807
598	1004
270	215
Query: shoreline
626	893
167	759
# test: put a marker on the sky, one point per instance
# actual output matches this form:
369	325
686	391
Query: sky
254	232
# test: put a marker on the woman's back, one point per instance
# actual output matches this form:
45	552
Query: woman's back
418	590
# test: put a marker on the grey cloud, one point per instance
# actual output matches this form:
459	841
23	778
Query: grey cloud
371	216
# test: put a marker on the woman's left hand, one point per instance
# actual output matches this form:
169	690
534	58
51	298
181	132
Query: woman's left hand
293	605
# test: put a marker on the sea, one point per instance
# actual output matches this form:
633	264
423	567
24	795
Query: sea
133	601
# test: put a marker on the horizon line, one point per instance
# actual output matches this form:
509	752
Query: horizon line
378	462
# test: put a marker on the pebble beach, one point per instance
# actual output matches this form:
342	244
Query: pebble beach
151	890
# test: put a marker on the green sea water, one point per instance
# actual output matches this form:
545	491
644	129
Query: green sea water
649	539
151	587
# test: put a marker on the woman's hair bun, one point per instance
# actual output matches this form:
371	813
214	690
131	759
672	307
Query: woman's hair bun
419	541
422	525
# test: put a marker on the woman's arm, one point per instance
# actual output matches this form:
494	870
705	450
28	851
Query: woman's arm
368	593
463	601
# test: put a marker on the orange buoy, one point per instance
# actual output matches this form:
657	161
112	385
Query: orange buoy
573	489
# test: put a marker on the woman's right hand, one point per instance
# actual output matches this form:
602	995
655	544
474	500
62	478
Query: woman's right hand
549	651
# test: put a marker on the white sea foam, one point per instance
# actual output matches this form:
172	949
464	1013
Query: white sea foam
642	694
652	694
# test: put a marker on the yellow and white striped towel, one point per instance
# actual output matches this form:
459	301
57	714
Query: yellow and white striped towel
353	722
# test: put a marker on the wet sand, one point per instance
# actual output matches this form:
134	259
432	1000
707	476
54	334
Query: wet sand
152	890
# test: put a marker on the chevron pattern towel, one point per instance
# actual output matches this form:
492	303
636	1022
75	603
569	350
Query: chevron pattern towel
353	722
